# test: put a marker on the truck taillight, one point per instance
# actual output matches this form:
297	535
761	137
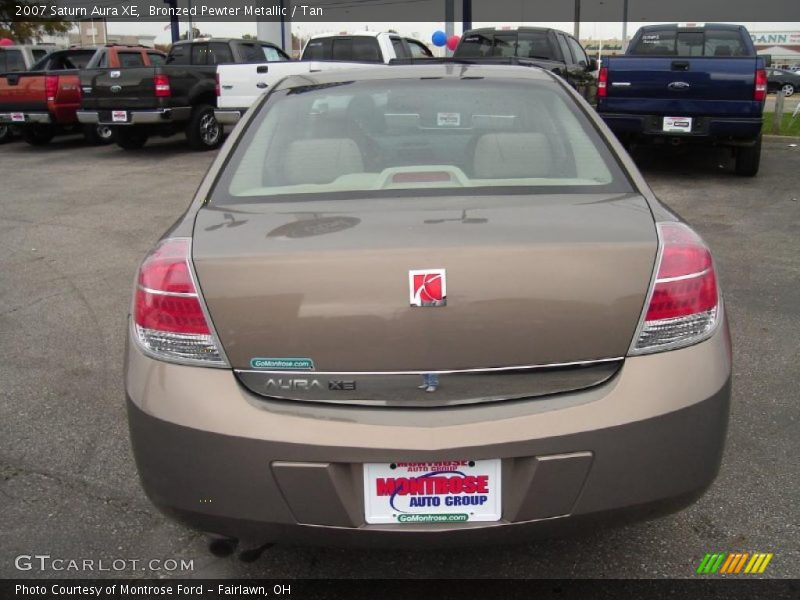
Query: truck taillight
168	316
602	82
51	87
161	83
216	85
684	303
760	89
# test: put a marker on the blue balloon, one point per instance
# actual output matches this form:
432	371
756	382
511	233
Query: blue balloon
439	38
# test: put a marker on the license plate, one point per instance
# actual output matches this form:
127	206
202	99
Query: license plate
457	491
119	116
678	124
17	117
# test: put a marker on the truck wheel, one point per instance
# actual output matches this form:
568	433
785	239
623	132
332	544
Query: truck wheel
204	132
787	89
130	138
5	134
748	159
37	135
98	134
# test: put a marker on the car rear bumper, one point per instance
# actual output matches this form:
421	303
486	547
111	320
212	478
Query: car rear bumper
225	461
704	128
229	116
29	117
136	117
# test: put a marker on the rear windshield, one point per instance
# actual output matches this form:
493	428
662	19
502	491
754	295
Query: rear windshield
69	59
522	44
674	42
11	60
130	59
349	48
407	137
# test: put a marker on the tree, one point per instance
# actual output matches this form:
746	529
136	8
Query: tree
25	32
248	36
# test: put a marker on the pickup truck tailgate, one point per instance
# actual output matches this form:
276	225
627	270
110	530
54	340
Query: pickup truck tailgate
22	92
119	88
645	85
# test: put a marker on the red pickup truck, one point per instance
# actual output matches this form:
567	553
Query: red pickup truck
42	102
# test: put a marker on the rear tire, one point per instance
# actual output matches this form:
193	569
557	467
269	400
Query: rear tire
37	135
203	131
130	138
6	135
748	159
98	134
787	89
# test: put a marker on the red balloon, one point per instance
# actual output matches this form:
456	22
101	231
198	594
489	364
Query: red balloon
6	42
452	42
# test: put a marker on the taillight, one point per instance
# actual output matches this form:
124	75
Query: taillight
760	89
51	87
684	302
602	82
216	85
167	313
161	83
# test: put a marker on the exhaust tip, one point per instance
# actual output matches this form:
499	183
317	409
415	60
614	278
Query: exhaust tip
222	547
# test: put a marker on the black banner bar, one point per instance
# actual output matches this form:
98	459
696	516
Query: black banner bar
348	11
383	589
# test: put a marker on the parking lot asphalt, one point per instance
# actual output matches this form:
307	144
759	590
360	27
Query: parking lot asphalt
74	223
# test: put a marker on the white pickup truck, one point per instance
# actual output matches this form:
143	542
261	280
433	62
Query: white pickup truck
364	46
239	86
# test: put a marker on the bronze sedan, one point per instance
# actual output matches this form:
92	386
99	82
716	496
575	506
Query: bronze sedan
425	304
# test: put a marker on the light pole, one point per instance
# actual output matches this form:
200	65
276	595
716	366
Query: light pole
624	24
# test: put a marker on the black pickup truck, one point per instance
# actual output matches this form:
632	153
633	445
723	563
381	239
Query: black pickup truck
163	100
549	49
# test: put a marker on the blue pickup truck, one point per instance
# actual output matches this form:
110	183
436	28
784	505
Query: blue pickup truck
688	85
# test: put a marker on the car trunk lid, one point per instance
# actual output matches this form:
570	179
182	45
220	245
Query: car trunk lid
542	283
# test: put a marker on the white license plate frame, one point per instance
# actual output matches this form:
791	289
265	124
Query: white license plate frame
17	117
677	124
434	496
119	116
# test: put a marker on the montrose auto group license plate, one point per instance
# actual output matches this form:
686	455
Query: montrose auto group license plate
678	124
432	492
119	116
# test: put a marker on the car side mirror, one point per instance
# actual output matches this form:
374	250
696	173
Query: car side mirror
592	66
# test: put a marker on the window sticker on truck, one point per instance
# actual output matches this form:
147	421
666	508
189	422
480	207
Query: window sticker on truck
448	119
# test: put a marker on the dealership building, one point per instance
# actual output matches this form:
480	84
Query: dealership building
782	46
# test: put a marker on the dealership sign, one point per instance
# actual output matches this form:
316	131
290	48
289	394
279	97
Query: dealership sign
772	38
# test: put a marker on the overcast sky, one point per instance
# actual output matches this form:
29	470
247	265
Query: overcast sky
421	30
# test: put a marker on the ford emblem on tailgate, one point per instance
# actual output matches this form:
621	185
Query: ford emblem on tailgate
678	85
116	88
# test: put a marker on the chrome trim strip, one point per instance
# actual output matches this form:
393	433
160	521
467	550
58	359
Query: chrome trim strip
579	363
682	277
147	290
